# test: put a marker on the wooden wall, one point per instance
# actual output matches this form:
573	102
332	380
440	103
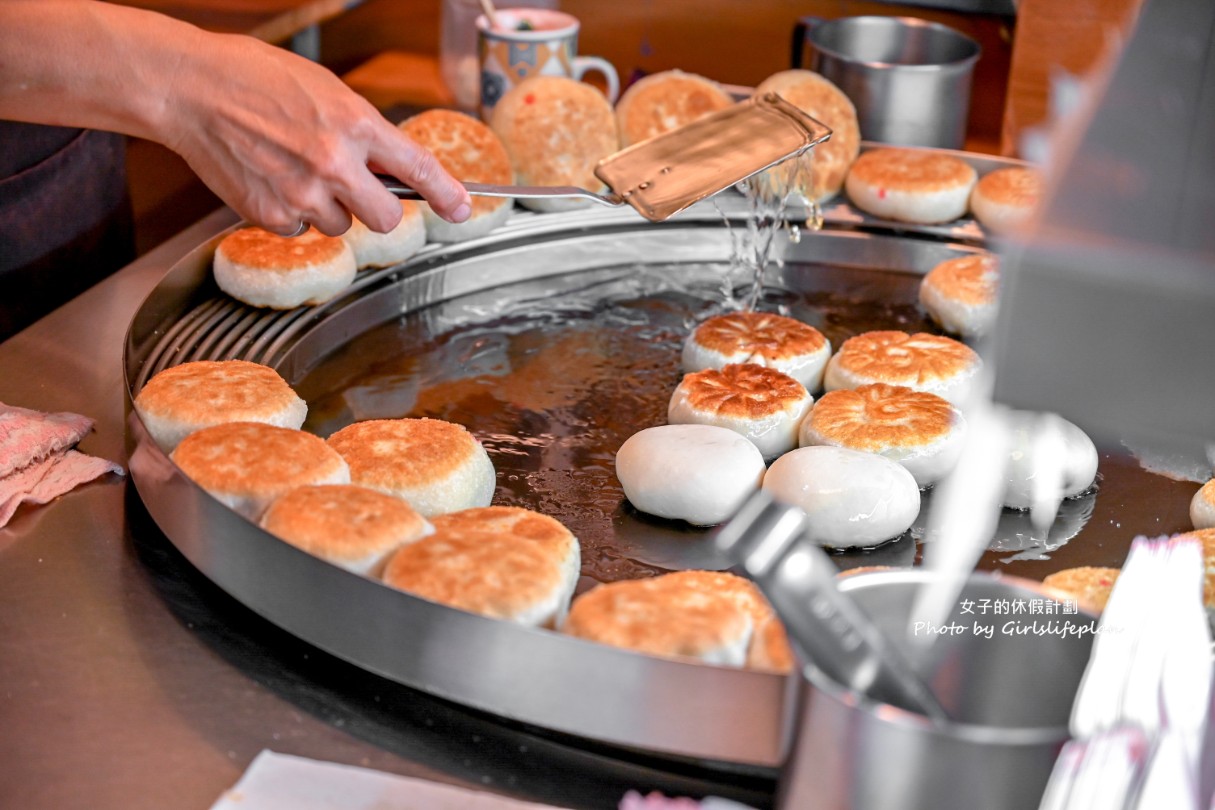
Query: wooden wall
732	41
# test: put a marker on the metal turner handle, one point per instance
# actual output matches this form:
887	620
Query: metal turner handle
768	540
519	192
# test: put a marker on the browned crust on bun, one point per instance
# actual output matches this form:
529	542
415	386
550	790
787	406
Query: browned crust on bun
819	98
1089	586
342	521
396	453
660	616
741	391
873	417
256	249
555	130
665	101
1013	186
254	458
495	561
205	391
466	148
762	334
899	358
972	280
912	171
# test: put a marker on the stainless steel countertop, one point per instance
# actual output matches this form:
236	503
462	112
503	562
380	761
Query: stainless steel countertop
128	680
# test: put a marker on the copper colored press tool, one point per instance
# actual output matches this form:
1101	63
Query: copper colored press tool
664	175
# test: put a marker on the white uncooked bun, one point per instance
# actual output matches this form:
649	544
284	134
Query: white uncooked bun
1025	465
697	473
852	499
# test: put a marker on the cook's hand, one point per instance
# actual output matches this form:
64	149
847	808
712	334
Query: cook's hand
283	141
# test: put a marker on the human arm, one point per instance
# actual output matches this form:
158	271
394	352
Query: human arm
275	136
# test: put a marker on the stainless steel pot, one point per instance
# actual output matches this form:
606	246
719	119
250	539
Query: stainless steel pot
909	78
1006	676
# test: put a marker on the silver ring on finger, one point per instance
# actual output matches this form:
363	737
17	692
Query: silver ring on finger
298	231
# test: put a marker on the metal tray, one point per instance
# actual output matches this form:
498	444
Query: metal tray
717	716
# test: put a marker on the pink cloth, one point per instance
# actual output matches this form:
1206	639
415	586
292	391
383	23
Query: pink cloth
27	436
656	801
37	463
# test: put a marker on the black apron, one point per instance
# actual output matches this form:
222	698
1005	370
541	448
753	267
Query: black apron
65	217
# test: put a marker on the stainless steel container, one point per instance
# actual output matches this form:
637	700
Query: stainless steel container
909	78
1006	675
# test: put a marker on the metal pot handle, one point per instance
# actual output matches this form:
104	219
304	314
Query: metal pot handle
801	30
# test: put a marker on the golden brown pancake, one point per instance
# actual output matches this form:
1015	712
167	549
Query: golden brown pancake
1202	506
920	361
471	152
763	338
968	279
1006	199
181	399
665	101
921	431
1207	538
523	523
876	416
758	335
910	185
466	148
1089	586
249	464
502	562
351	526
819	98
263	269
555	130
742	391
960	293
261	250
769	648
760	403
437	466
666	616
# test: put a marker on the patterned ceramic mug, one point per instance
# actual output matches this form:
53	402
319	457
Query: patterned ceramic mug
532	42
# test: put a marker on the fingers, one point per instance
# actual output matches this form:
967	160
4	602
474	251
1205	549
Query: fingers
298	230
296	144
376	206
403	158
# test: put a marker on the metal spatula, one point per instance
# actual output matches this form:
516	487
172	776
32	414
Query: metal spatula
664	175
768	541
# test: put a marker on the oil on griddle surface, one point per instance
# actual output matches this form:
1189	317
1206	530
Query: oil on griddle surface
553	382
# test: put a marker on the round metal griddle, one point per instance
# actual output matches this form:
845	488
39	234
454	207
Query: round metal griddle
461	331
